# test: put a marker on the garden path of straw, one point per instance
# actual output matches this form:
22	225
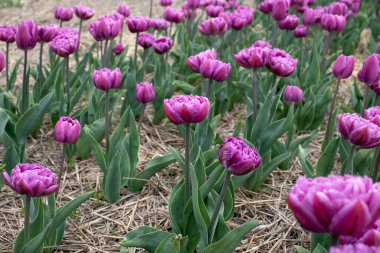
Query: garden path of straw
98	226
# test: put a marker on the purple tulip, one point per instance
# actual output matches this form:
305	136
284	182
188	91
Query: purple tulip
27	35
65	44
67	130
8	33
333	23
308	18
83	12
195	61
266	6
354	248
138	24
280	9
252	58
281	63
162	45
118	49
145	92
227	16
337	8
158	24
189	13
300	31
376	87
343	66
370	72
63	14
238	157
262	43
289	23
106	79
186	109
2	61
237	21
33	180
173	15
146	40
293	94
193	4
213	26
247	13
214	11
373	115
124	10
107	27
165	3
340	205
215	70
358	131
47	33
369	237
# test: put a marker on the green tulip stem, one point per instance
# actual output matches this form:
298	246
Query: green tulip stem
67	84
135	56
61	168
326	139
209	89
254	95
187	162
40	66
377	100
212	225
7	67
170	29
304	51
151	8
27	218
60	23
274	39
143	106
25	86
350	160
365	101
374	173
80	31
107	130
325	50
104	56
121	31
267	28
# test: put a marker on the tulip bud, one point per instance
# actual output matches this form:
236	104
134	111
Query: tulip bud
47	33
280	9
173	15
343	66
123	10
106	79
186	109
67	130
215	70
337	8
214	11
333	23
118	49
63	14
252	58
266	6
165	3
27	35
138	24
293	94
237	21
195	61
162	45
370	72
300	31
83	12
8	33
309	17
145	92
33	180
289	23
213	26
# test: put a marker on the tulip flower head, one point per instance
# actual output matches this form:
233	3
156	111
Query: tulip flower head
118	49
165	3
215	70
173	15
376	87
214	11
237	157
369	237
370	72
8	33
33	180
67	130
343	66
289	23
237	21
262	43
373	115
309	18
300	31
83	12
333	23
106	79
145	92
253	57
266	6
195	61
354	248
162	45
281	63
65	44
293	94
158	24
146	40
138	24
186	109
47	33
280	9
340	205
358	131
124	10
26	35
63	14
213	26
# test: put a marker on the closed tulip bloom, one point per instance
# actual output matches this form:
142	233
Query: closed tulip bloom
65	45
193	4
252	58
165	3
124	10
47	33
340	205
8	33
237	157
146	40
237	21
214	11
280	9
106	79
63	14
83	12
27	35
373	115
173	15
2	61
67	130
227	16
162	45
370	72
333	23
266	6
31	179
293	94
281	63
247	13
262	43
118	49
215	70
213	26
289	23
145	92
138	24
158	24
337	8
109	26
376	87
186	109
308	17
358	131
195	61
354	248
300	31
343	66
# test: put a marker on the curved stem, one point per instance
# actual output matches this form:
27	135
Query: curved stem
347	169
326	139
7	67
67	84
365	101
254	95
107	120
141	116
136	43
61	168
26	220
325	51
187	162
219	202
25	86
